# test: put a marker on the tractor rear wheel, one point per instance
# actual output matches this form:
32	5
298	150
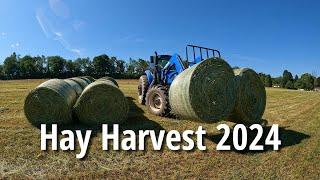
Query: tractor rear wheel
142	89
157	101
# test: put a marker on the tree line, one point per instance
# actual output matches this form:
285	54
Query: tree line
306	81
26	67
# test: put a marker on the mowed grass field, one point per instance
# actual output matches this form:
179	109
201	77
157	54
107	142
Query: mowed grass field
296	112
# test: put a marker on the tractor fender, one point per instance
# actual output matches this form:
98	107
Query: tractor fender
170	76
149	76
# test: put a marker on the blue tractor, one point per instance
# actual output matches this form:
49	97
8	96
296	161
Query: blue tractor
154	84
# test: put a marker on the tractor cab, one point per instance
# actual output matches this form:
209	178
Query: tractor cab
162	60
164	68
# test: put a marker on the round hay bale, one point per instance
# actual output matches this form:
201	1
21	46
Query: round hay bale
90	78
101	102
108	81
83	83
86	79
250	97
111	79
51	102
75	86
205	91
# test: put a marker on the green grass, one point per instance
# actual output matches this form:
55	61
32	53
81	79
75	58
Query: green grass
297	113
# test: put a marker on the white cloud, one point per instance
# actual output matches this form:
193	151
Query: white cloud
59	8
3	34
58	34
77	51
60	38
52	32
15	45
43	22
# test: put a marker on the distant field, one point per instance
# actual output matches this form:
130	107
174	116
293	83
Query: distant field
297	113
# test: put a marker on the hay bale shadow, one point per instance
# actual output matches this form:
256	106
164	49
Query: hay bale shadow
288	138
136	121
74	127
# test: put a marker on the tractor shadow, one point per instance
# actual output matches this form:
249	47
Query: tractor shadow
288	138
138	121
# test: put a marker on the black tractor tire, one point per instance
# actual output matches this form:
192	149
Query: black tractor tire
142	89
157	101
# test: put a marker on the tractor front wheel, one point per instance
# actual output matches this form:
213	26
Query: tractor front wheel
157	101
142	89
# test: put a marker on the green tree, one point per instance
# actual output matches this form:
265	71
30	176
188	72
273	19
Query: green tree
102	64
28	66
120	66
11	66
299	84
40	64
306	82
70	68
131	66
289	85
265	79
56	65
296	78
287	76
317	82
1	72
268	81
84	65
112	68
77	67
262	78
277	81
141	66
32	66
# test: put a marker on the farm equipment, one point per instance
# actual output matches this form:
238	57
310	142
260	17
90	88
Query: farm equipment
154	84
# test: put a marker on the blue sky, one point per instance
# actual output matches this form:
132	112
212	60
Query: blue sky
268	36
